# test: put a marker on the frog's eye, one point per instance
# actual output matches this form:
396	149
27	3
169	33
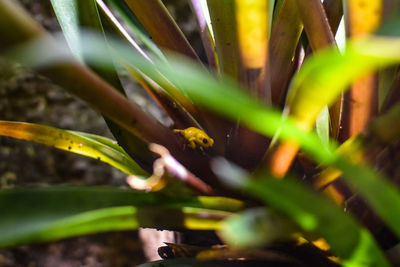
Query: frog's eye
205	141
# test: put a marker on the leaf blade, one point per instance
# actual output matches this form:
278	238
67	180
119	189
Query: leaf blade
50	213
88	145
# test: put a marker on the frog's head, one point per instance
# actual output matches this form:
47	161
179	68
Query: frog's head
204	140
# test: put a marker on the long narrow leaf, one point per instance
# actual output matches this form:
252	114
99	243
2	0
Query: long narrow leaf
284	40
67	15
317	27
202	16
24	27
89	145
44	214
252	44
320	35
223	21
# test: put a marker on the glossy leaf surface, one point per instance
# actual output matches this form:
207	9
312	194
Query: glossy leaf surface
89	145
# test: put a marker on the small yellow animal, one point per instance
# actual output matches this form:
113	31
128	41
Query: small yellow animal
196	136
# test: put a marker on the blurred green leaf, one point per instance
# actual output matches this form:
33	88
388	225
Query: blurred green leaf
89	145
386	126
310	210
388	78
43	214
284	40
257	227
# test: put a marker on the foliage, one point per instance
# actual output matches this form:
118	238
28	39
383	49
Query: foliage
259	53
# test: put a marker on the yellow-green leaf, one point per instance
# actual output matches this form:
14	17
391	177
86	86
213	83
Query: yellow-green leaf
89	145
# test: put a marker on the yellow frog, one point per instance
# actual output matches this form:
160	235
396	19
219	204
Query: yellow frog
196	136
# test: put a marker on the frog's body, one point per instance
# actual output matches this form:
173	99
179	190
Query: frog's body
196	136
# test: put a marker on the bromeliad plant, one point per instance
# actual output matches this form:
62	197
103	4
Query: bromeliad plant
263	132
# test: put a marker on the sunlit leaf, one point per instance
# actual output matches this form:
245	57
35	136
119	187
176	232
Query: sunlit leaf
89	145
252	28
223	21
312	212
202	16
43	214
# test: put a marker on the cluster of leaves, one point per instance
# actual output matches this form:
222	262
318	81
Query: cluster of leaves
273	85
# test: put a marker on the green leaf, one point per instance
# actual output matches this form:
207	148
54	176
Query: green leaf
44	214
222	14
67	14
284	40
271	4
311	211
89	145
256	228
326	75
